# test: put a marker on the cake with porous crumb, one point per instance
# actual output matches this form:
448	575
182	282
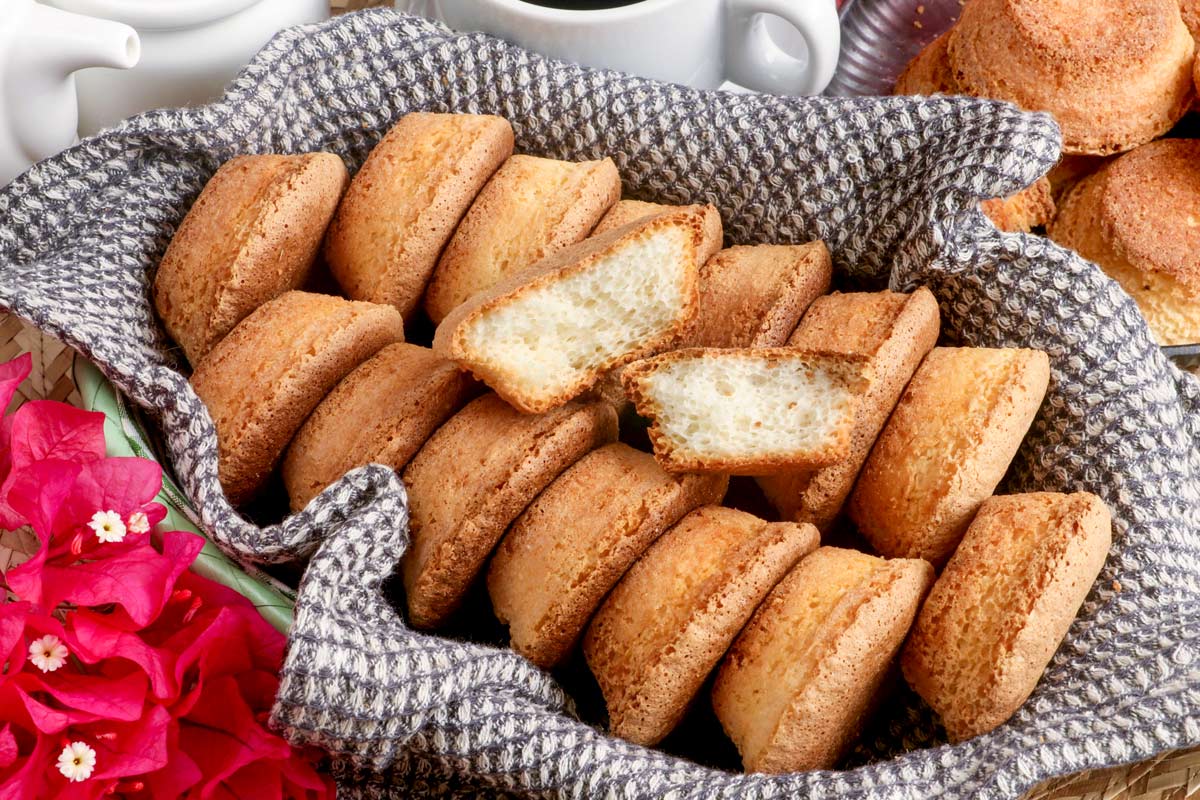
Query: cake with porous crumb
798	683
669	621
575	541
263	379
1003	604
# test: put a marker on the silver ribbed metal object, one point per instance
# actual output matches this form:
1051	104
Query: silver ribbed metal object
880	37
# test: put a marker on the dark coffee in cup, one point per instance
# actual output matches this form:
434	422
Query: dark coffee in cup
582	5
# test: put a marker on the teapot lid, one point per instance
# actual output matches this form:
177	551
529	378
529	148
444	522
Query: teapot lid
156	14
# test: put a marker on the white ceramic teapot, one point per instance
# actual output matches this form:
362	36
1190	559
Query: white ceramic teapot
40	49
190	50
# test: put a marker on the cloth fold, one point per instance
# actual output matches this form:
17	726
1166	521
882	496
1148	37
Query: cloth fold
891	185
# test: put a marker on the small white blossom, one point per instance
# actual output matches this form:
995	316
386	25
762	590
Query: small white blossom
48	653
138	522
108	526
77	761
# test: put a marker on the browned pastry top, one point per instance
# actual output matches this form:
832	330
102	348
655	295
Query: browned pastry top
1152	208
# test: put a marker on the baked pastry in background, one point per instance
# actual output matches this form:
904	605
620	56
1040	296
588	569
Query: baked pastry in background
627	211
1190	11
575	541
799	681
751	411
263	379
475	476
406	200
1139	219
1004	602
1114	73
754	296
547	333
929	72
665	626
894	331
251	235
946	447
381	413
531	208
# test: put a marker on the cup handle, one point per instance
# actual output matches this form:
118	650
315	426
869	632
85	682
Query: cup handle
757	62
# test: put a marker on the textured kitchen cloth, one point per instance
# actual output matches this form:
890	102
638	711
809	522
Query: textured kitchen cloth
890	184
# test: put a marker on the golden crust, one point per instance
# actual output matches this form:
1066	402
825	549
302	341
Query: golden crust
929	72
1137	219
251	235
754	296
1125	83
532	207
946	447
578	538
667	623
849	371
627	211
799	681
381	413
450	338
894	331
996	615
406	200
475	476
1022	212
263	379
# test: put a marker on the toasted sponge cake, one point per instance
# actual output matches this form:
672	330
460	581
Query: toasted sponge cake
547	334
929	71
627	211
406	200
998	611
754	296
665	626
946	447
380	413
575	541
1126	82
1138	219
472	479
263	379
531	208
894	331
251	235
797	684
747	412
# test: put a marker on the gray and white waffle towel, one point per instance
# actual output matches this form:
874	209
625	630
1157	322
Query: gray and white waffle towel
890	184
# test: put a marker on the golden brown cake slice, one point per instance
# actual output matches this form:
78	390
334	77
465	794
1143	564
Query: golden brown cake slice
381	413
1139	219
263	379
475	476
1190	11
531	208
674	614
946	447
405	202
754	296
1022	212
894	331
752	411
795	688
576	540
1125	82
546	334
627	211
251	235
1004	602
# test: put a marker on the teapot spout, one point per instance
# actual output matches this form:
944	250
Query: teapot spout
62	42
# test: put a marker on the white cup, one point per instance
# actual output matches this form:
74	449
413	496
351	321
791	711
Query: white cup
777	46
